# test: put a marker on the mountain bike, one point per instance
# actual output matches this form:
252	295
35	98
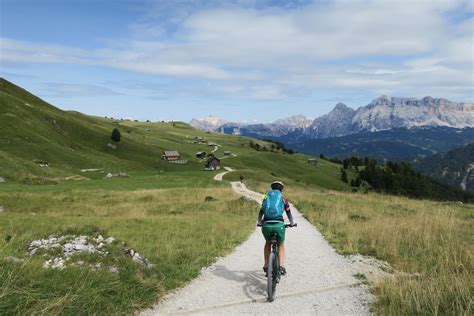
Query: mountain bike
273	272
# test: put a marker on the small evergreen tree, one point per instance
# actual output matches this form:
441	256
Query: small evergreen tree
345	164
344	175
357	182
116	135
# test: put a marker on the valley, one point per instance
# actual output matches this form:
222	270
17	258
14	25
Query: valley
55	167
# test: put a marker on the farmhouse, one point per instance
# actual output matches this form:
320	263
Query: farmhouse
213	163
201	154
170	155
227	153
212	144
312	161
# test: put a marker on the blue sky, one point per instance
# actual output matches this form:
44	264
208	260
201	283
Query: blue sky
242	60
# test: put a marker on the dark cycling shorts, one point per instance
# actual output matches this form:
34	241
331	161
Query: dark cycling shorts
274	228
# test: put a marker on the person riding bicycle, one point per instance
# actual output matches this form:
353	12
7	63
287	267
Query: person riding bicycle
270	217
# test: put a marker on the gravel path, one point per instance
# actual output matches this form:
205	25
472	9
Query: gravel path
319	281
219	176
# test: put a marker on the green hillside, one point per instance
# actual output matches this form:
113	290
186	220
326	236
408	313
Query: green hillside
35	132
453	167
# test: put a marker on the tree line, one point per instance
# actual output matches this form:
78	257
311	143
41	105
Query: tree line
398	179
275	146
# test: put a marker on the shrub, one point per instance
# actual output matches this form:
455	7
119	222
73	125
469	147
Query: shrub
116	135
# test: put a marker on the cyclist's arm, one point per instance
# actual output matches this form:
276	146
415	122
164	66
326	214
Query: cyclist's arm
288	211
290	217
260	217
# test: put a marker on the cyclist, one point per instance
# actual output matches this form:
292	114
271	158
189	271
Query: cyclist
270	218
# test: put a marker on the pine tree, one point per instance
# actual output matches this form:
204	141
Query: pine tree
357	182
116	135
344	175
345	164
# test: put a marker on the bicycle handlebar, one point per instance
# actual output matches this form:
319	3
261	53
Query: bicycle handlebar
286	225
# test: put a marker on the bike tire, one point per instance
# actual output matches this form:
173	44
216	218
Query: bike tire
270	277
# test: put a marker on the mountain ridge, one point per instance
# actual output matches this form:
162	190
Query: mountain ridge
382	113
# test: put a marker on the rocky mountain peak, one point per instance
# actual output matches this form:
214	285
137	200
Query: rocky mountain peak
341	107
210	123
383	113
297	121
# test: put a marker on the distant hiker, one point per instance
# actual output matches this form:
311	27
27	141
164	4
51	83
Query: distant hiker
241	179
271	219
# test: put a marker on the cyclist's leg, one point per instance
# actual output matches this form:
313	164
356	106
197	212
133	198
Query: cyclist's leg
281	246
266	253
281	253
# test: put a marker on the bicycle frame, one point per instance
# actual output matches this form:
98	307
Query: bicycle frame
274	249
273	272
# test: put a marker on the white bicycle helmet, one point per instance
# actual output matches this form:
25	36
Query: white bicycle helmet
277	185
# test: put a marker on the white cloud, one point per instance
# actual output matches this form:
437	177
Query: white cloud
416	46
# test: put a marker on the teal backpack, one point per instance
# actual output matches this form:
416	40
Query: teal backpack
273	205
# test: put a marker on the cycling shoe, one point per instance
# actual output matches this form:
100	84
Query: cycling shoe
282	270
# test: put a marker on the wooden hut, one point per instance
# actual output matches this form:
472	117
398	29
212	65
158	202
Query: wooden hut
213	163
201	154
170	155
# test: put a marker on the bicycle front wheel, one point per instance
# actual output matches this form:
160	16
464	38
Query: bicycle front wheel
271	282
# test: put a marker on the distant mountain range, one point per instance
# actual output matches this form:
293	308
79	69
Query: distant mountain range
455	167
345	131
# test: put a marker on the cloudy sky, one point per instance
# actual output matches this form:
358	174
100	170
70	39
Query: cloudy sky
247	60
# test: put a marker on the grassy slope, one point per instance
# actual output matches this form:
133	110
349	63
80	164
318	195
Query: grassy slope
71	141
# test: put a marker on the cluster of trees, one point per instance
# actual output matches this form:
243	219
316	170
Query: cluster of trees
257	146
399	179
276	145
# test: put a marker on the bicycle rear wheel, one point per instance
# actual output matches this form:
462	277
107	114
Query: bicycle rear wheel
271	284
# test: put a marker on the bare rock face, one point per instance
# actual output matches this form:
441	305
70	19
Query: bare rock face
2	180
2	209
336	123
208	124
383	113
386	113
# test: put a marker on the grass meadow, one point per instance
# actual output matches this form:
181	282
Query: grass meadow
176	229
429	244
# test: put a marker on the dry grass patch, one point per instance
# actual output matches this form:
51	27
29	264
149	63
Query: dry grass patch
175	229
431	242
